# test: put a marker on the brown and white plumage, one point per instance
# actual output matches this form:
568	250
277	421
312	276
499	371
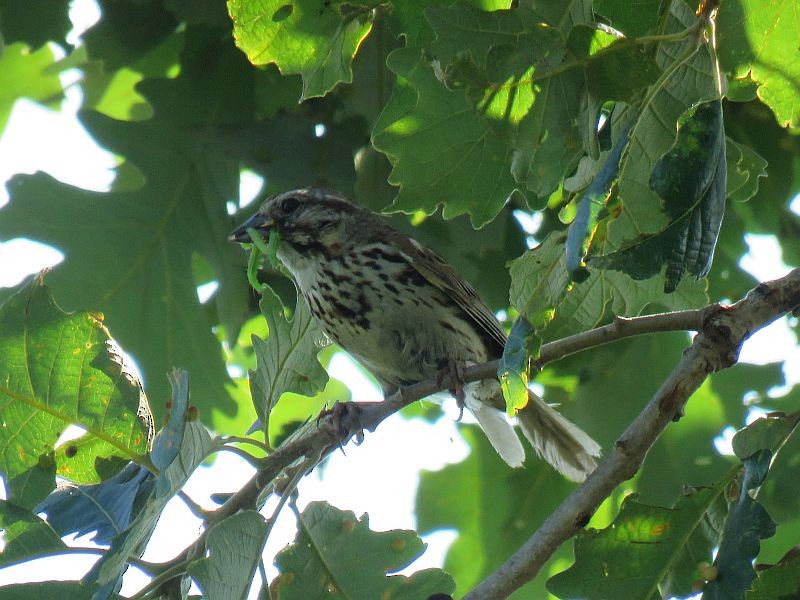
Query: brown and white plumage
405	314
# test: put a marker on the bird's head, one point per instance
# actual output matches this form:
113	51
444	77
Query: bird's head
312	224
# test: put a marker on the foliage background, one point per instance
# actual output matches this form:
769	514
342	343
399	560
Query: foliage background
167	90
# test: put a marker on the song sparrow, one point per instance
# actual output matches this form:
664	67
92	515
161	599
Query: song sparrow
406	314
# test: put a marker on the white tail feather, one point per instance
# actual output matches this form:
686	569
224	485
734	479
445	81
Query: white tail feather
498	430
564	445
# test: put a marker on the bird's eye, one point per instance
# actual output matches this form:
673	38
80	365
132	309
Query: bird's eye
290	205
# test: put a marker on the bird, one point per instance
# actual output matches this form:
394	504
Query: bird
406	315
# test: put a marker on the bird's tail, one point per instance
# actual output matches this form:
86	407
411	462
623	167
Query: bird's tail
561	443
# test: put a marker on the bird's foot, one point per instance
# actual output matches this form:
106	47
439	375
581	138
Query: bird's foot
455	370
346	421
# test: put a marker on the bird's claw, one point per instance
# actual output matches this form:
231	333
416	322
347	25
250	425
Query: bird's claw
346	421
455	369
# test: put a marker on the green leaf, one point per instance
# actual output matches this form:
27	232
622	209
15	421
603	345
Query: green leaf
777	581
25	535
129	254
287	359
26	74
758	41
540	283
548	141
745	169
747	523
58	369
63	590
127	31
539	280
442	151
647	551
767	433
634	20
653	132
34	23
315	38
334	555
591	202
115	93
691	180
234	548
614	68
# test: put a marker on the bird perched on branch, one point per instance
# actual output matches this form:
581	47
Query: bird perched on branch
405	314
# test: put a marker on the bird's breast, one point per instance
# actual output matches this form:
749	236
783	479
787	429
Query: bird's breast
381	310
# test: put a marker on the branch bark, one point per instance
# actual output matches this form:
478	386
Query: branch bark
332	431
714	348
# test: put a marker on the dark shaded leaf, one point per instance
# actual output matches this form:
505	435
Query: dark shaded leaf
589	206
691	180
129	254
777	582
441	150
624	18
34	23
127	31
614	68
747	523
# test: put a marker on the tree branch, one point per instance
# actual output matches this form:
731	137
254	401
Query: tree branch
329	431
714	348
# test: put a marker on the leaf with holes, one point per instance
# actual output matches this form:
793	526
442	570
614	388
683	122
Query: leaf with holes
334	551
56	370
315	38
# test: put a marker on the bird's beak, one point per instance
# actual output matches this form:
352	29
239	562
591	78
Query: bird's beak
258	222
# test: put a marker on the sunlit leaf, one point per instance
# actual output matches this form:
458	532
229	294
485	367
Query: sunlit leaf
315	38
25	535
59	369
754	42
647	551
335	551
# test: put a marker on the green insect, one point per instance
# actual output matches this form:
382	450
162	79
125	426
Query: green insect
260	249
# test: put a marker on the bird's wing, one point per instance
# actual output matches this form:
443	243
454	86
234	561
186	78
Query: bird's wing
444	277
